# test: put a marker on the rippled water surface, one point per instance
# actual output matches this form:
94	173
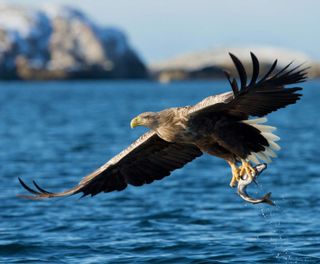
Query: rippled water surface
58	132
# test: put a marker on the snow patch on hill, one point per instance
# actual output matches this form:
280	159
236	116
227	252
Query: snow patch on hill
60	38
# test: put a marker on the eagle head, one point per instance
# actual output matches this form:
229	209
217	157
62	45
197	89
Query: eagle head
147	119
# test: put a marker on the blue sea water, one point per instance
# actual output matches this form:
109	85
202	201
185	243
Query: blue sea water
57	132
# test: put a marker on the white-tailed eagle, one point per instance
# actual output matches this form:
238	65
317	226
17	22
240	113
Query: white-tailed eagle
220	125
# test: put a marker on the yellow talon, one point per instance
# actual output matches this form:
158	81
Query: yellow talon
235	174
246	168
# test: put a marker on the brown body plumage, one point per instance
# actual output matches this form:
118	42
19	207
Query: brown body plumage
218	125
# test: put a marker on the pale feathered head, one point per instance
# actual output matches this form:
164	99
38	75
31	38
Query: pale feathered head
147	119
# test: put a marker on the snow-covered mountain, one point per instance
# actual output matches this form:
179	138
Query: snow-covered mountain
54	42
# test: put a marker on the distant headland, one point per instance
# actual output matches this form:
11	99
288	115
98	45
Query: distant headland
211	63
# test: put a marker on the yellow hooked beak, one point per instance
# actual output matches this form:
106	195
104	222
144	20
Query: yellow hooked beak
135	122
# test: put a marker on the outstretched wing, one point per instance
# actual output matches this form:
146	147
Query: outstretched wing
149	158
258	97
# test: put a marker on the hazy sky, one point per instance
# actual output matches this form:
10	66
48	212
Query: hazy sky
163	28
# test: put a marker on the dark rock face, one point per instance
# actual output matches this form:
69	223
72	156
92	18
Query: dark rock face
62	43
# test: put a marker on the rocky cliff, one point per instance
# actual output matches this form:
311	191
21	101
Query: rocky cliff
56	42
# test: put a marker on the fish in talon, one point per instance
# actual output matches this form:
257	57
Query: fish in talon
246	180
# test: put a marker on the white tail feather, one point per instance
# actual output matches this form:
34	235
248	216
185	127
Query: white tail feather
253	158
266	129
274	146
269	152
266	132
270	136
256	121
263	157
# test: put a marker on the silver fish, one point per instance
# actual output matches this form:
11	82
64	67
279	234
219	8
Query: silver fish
246	180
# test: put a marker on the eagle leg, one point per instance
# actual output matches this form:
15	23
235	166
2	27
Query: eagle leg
246	168
235	174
